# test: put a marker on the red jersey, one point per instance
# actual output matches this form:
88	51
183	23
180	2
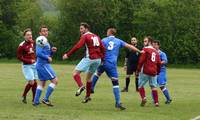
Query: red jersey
93	44
26	52
149	61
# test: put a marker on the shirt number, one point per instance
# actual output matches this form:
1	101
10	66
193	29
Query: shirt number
111	45
153	57
95	41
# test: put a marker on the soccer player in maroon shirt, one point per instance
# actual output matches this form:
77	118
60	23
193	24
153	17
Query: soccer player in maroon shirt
93	55
148	69
26	54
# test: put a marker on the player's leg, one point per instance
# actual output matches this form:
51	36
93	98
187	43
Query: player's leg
113	74
136	82
141	83
153	85
92	68
34	86
28	73
38	93
127	82
50	75
96	76
162	80
81	67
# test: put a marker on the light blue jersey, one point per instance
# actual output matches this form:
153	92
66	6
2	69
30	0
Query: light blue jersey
45	71
112	45
162	78
163	57
42	53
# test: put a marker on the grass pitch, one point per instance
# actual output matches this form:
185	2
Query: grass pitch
183	84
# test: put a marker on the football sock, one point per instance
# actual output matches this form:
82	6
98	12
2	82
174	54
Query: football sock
127	82
136	84
49	91
26	89
77	78
155	96
142	93
166	93
34	87
94	81
88	88
38	94
116	91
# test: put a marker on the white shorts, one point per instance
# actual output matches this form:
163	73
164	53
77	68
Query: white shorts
30	72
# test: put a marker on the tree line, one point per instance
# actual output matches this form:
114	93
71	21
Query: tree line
175	23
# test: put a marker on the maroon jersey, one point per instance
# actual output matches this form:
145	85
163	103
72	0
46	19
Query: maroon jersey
26	52
149	61
93	44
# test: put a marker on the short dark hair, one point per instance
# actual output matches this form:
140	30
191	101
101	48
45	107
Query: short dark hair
26	30
85	25
113	30
157	41
42	26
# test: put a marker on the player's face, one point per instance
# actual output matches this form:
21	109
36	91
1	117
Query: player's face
28	36
83	30
146	42
133	41
156	46
44	32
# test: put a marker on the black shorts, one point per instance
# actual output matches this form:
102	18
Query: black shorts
131	69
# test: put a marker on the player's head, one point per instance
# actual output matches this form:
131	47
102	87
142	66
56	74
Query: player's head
134	41
27	34
84	27
148	41
111	31
44	31
156	44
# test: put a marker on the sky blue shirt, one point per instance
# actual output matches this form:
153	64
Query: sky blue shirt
42	53
163	57
112	45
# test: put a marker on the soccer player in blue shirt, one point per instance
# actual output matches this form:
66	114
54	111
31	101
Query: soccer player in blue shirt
45	71
112	45
162	78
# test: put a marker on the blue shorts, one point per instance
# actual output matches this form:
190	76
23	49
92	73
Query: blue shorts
162	79
88	65
30	72
45	72
110	69
143	79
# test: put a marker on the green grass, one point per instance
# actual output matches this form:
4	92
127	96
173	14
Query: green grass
183	85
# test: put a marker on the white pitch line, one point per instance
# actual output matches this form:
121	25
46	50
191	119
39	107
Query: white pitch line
196	118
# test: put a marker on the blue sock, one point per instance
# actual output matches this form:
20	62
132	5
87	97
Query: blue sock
117	94
38	94
166	93
49	91
94	81
116	91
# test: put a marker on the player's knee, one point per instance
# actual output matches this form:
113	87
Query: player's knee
55	81
153	88
31	82
115	81
76	73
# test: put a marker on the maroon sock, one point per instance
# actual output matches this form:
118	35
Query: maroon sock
142	92
26	89
88	88
34	87
155	96
77	78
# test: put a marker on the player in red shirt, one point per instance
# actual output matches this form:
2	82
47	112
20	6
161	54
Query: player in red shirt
26	54
93	55
148	69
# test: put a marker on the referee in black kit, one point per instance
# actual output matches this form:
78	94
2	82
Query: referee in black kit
130	65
